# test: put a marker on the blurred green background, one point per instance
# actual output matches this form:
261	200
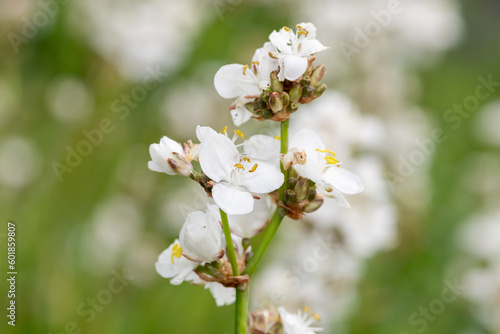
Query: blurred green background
63	258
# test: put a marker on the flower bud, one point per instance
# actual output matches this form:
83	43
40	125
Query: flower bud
290	196
201	238
264	321
276	85
275	102
313	206
317	75
307	91
306	81
180	164
302	189
318	90
295	93
286	98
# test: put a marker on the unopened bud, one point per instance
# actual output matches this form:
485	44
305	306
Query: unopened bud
313	206
265	113
312	195
302	189
317	75
319	90
290	196
275	102
285	98
264	322
264	97
305	81
291	182
295	93
307	91
294	106
258	104
180	164
292	174
276	85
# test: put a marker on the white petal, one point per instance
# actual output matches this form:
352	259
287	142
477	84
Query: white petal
247	226
232	200
240	115
294	67
343	180
180	270
223	295
203	132
266	64
311	46
309	141
230	82
309	170
169	145
266	178
201	237
309	27
218	155
262	147
282	40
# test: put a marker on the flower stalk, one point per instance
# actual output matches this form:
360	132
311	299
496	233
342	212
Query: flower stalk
231	254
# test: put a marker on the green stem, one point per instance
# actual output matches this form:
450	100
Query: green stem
278	215
231	254
241	310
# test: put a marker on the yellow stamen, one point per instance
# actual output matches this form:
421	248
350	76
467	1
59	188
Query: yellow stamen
302	32
286	28
299	27
326	151
247	159
277	137
255	63
224	129
176	252
240	166
316	316
239	133
331	160
254	168
245	69
307	309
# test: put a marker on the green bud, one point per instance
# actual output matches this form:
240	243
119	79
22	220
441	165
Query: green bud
305	81
276	328
286	98
249	106
291	183
302	189
264	97
265	113
275	102
292	174
290	196
258	104
294	106
307	91
295	93
318	90
317	75
312	195
276	85
313	206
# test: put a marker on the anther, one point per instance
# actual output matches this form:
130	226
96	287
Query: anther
245	69
240	166
247	159
239	133
326	151
254	168
224	130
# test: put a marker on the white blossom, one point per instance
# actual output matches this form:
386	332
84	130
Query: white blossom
236	177
222	295
202	238
322	168
168	157
293	49
299	323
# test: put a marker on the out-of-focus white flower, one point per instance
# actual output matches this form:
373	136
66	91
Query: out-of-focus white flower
168	157
201	238
299	323
236	177
293	49
244	82
223	295
322	168
171	264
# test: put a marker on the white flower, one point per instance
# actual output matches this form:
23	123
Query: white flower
171	264
322	168
201	238
236	177
293	49
223	295
168	157
298	323
244	82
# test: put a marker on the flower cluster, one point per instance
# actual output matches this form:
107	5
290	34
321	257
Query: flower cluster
247	178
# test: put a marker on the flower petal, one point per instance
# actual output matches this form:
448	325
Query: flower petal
266	178
309	141
294	67
203	132
232	81
232	200
343	180
311	46
218	155
247	226
240	115
262	147
222	295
